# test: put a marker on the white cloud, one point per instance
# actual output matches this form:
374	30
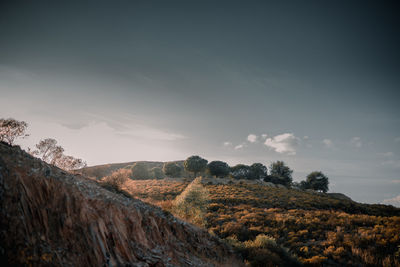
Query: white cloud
284	143
395	181
305	137
145	132
252	138
328	143
356	142
240	146
264	136
393	201
227	143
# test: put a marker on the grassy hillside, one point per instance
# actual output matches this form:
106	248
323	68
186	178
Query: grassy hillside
100	171
318	229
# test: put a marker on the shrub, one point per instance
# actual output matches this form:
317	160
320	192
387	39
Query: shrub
172	169
140	171
157	173
117	179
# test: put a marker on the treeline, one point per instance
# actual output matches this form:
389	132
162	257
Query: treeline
277	173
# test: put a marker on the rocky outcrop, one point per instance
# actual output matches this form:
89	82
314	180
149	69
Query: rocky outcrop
52	218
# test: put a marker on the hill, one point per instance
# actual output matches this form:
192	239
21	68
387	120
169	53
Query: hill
100	171
318	229
52	218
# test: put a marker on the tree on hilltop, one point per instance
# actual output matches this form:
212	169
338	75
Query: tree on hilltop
258	171
195	164
218	168
280	173
241	171
316	181
172	169
48	150
11	129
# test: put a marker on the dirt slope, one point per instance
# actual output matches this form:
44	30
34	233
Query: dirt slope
51	218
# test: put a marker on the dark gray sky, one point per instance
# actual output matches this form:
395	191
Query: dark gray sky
313	83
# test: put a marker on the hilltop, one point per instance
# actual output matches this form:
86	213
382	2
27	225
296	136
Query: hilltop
53	218
103	170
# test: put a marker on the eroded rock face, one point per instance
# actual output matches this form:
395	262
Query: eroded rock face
51	218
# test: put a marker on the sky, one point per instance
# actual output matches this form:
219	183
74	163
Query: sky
315	84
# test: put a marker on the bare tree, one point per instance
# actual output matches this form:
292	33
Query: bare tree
69	163
11	129
50	152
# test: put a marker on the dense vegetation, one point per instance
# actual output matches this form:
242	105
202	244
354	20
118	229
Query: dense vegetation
315	228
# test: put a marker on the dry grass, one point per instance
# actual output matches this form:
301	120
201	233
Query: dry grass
317	229
156	191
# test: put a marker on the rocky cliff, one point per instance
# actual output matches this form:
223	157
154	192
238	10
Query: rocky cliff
52	218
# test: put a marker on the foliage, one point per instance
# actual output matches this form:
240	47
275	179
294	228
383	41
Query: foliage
156	173
192	204
308	224
279	174
48	150
240	171
11	129
155	191
195	164
172	169
314	227
258	171
316	181
70	163
117	179
140	171
218	168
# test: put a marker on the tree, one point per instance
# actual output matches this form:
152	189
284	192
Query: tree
11	129
140	171
157	173
241	171
317	181
195	164
258	171
50	152
279	174
70	163
218	168
172	169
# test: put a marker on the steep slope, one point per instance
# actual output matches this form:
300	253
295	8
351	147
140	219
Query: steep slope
51	218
